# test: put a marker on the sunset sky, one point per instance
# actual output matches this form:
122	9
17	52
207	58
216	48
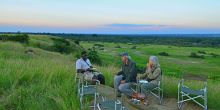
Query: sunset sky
111	16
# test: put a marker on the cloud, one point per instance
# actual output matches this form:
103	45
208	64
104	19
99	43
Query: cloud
113	29
143	27
134	25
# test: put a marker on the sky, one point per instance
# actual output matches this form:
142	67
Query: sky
111	16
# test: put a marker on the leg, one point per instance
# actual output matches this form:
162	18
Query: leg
146	87
125	88
101	78
117	81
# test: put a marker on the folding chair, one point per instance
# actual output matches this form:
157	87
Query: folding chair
157	91
185	93
84	89
77	79
111	104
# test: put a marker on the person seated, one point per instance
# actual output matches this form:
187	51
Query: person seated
152	75
84	66
126	76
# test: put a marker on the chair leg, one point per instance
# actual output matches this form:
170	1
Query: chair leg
179	100
81	101
94	101
161	97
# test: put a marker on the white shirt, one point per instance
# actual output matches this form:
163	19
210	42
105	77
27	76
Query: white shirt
81	64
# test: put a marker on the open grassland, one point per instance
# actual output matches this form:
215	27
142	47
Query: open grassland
176	63
41	79
173	66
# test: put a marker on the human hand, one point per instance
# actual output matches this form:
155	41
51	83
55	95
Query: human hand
122	81
139	76
89	69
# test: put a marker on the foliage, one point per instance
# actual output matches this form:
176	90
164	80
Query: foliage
77	42
194	55
94	57
201	52
214	55
134	47
98	45
61	45
194	40
23	38
117	46
163	53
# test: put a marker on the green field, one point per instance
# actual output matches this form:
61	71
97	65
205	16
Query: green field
177	63
43	79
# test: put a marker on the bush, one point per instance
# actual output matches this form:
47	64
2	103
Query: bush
134	47
98	45
117	46
202	52
163	54
61	45
94	57
76	42
194	55
214	55
23	38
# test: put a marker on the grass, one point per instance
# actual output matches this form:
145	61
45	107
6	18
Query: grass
41	81
45	79
173	66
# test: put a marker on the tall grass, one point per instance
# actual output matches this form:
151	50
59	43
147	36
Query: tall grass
42	81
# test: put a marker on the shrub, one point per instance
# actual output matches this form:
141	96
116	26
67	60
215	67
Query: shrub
23	38
163	54
99	45
76	42
134	47
214	55
93	56
101	48
61	45
194	55
117	46
202	52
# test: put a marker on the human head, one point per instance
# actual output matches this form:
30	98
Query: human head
84	55
154	62
124	57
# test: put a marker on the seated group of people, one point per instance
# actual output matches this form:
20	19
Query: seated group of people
127	75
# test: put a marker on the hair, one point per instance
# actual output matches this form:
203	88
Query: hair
155	61
83	52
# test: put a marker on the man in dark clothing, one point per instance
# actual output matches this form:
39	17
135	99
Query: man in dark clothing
126	76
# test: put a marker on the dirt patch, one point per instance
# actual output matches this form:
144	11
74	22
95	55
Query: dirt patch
168	103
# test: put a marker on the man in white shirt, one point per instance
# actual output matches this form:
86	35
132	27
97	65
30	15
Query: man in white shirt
84	66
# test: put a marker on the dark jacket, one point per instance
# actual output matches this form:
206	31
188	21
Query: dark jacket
129	72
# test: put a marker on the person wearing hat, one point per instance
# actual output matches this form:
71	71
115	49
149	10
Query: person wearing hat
126	76
84	66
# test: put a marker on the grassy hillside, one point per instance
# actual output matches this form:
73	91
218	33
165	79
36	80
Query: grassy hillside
33	76
35	80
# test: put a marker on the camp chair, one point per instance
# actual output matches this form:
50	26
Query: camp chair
157	91
77	80
85	88
191	94
113	103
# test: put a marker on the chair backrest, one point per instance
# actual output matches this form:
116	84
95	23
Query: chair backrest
200	77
